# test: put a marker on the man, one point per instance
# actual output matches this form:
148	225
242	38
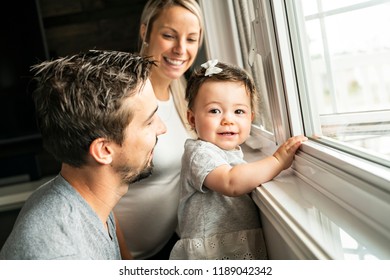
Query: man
97	115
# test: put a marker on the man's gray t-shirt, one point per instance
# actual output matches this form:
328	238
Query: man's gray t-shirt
57	223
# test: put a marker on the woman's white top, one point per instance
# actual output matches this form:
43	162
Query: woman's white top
147	214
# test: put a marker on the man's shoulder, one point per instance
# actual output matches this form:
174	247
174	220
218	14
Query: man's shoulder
56	195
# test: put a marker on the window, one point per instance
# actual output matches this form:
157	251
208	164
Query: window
321	67
342	58
332	56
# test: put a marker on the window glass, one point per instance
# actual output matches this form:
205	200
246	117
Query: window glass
251	31
342	56
263	118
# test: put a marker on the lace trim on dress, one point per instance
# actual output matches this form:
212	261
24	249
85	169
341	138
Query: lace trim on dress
241	245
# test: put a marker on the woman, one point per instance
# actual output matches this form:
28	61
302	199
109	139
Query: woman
171	32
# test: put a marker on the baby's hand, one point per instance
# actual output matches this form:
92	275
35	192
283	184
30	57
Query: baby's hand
285	153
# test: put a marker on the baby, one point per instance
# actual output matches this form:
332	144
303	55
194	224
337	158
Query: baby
217	217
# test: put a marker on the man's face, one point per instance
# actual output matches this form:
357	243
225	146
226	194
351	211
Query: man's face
133	160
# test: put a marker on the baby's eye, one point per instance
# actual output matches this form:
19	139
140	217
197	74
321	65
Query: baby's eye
239	112
214	111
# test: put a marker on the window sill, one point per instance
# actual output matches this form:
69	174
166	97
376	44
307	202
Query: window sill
318	211
312	225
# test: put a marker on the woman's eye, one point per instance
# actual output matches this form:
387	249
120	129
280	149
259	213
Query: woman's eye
192	40
239	112
168	36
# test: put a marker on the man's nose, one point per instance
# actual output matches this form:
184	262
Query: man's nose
162	128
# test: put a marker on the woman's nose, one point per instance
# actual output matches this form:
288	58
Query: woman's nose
179	48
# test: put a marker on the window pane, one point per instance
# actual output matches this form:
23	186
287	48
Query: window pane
345	51
254	64
263	118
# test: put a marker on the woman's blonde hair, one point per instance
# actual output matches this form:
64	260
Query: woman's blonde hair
150	13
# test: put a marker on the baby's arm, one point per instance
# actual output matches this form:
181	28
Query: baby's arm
243	178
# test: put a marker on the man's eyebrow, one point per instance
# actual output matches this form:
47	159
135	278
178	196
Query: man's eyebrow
152	114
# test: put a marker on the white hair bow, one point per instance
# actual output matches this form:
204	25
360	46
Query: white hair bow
211	68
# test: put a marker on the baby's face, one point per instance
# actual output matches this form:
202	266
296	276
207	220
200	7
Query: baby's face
222	114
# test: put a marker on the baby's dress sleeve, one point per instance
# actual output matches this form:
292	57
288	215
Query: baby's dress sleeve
203	160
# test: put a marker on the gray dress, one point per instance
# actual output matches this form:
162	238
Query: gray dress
212	225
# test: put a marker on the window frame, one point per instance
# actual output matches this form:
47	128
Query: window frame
316	124
337	168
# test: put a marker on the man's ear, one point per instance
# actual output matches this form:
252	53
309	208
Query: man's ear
101	150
